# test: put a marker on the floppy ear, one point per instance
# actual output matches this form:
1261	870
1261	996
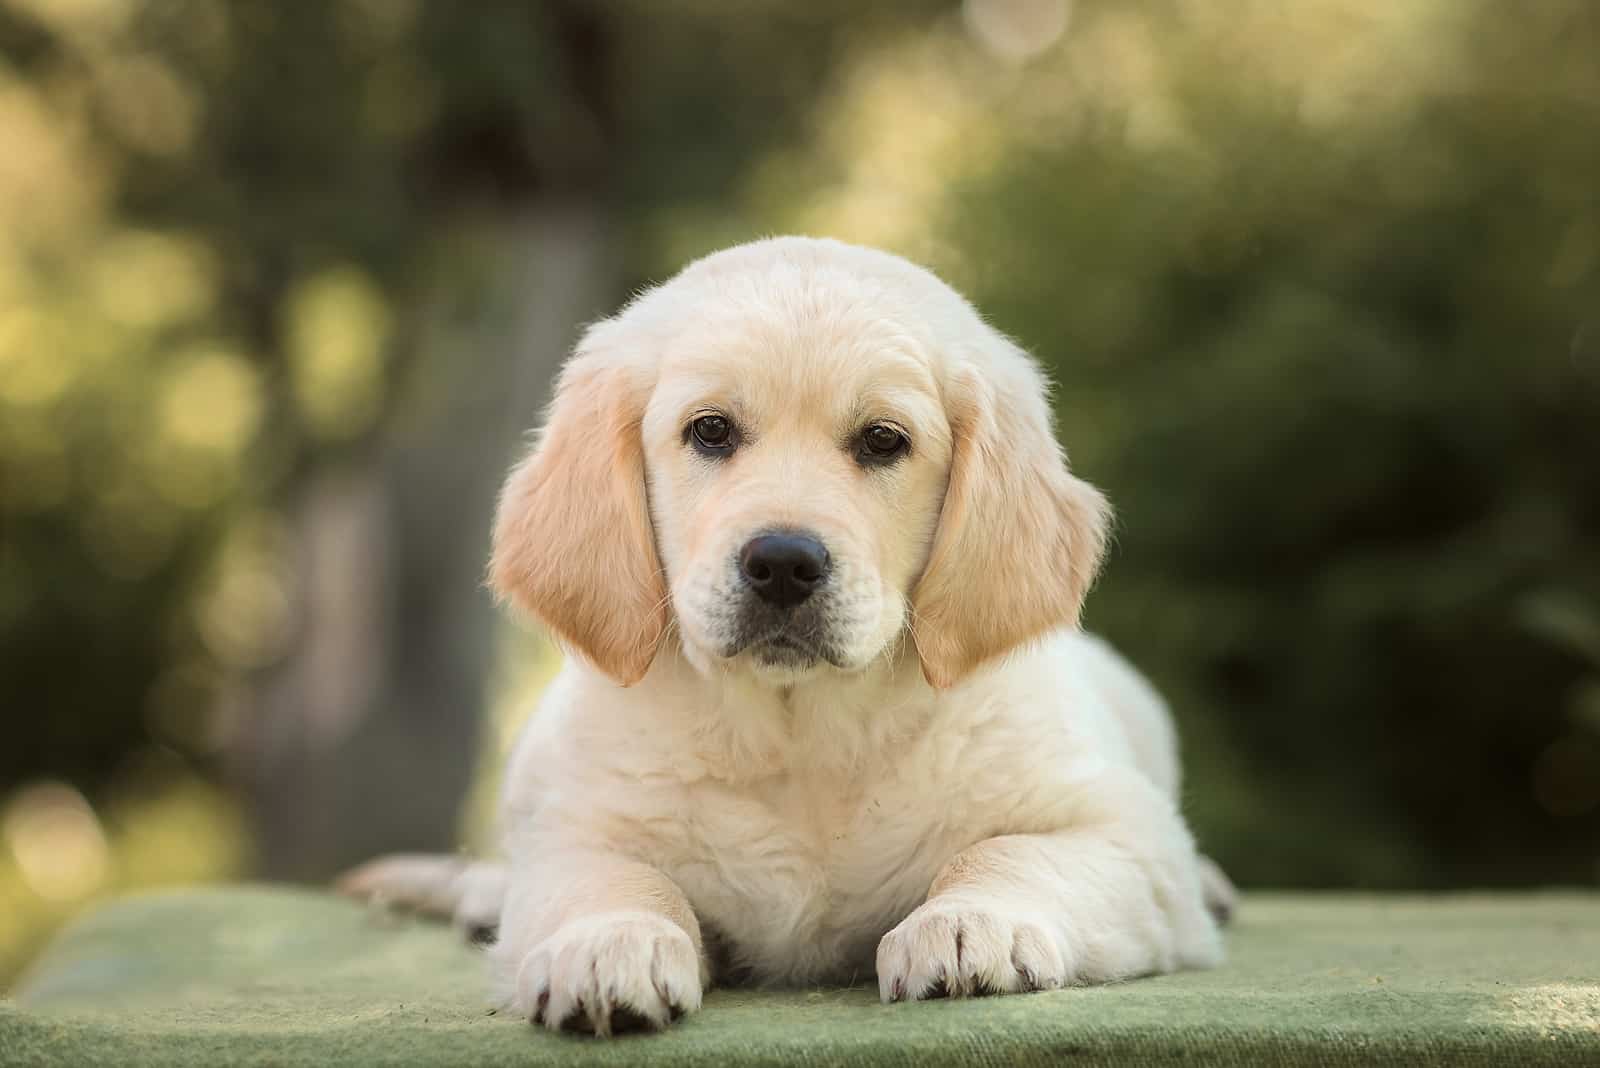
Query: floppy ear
573	545
1019	539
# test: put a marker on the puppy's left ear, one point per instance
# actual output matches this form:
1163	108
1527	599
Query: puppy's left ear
1020	537
573	543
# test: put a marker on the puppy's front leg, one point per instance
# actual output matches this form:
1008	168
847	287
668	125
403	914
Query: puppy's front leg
592	941
1115	897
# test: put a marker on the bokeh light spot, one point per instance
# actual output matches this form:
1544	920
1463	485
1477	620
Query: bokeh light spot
338	325
57	841
148	106
212	402
1016	30
148	280
243	613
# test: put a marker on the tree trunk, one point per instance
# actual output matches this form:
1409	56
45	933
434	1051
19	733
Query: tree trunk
363	739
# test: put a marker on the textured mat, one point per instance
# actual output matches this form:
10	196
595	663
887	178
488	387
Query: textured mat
258	975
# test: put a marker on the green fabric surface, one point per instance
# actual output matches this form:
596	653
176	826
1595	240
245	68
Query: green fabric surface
288	977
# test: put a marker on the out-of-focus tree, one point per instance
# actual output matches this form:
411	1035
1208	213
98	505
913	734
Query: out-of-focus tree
347	243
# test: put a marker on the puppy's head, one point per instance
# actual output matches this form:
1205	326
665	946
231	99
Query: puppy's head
798	452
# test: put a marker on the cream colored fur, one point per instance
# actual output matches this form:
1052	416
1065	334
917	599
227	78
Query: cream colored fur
972	797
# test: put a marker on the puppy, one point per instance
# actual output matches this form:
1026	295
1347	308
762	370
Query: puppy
800	515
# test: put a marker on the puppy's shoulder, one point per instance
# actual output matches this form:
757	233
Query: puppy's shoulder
1073	690
1133	714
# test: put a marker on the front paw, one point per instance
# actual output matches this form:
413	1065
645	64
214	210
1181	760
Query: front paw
614	972
970	948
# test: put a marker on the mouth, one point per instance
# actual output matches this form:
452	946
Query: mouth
784	650
783	647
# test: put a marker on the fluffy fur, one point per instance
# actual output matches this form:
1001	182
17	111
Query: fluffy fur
924	773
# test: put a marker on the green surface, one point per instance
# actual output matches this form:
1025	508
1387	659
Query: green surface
273	976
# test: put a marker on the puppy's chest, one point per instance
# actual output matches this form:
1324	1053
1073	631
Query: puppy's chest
801	876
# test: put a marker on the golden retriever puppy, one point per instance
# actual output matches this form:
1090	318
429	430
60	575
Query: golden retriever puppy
800	516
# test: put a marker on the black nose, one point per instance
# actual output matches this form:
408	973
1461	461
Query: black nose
784	569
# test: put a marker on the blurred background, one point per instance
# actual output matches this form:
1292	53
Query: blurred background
282	287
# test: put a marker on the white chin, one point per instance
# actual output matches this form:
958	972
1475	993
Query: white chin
780	675
774	668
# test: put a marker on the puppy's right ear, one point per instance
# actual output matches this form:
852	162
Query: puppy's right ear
573	545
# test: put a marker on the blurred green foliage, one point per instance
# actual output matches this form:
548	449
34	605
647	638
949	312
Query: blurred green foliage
1341	373
1320	284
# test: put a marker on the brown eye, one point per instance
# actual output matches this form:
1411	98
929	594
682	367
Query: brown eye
712	433
882	444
